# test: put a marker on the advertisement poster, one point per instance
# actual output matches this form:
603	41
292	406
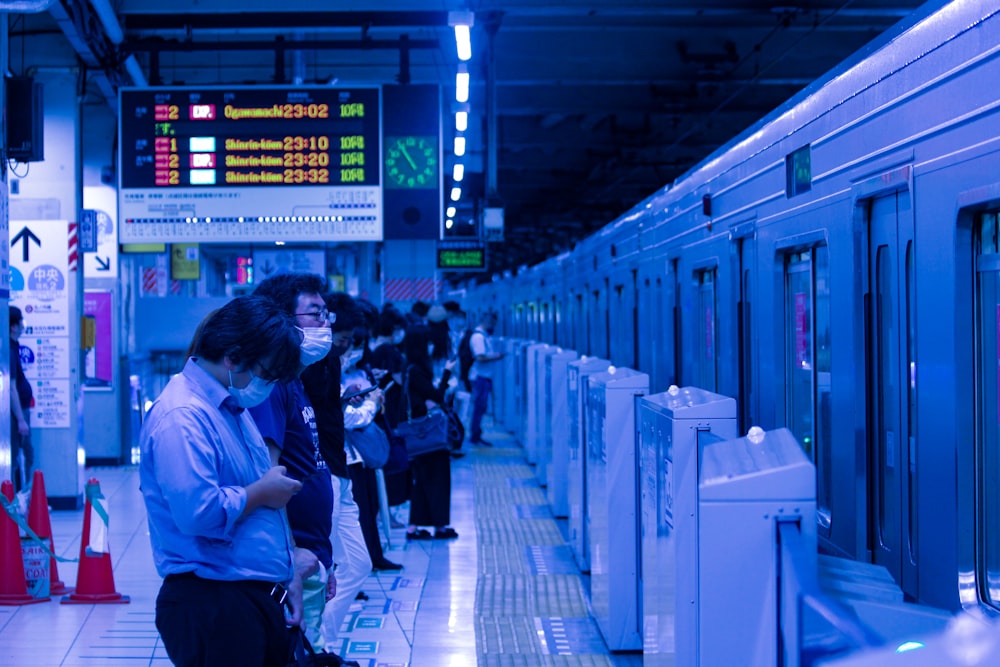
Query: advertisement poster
40	288
98	362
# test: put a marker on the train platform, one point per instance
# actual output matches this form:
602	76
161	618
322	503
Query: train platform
506	592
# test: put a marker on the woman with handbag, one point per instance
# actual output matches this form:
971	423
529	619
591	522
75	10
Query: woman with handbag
430	495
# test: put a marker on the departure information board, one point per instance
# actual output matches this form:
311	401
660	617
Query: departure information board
246	164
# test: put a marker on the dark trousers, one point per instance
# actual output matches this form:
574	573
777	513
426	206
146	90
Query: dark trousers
206	623
366	496
481	390
430	498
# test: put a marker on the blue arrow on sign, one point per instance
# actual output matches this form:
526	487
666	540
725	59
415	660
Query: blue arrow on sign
103	264
27	236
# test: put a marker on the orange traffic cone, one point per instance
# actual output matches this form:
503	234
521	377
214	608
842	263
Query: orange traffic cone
13	587
95	583
38	521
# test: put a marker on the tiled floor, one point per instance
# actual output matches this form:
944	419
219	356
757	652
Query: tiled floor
504	593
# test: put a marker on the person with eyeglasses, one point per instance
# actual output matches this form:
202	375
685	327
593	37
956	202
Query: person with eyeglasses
287	421
215	503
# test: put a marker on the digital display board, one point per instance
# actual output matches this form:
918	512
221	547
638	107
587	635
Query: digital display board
461	256
250	163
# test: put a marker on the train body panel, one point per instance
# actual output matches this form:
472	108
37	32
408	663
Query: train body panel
835	269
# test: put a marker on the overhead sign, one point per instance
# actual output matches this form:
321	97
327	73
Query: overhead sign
461	256
300	163
102	262
88	230
267	263
184	262
39	270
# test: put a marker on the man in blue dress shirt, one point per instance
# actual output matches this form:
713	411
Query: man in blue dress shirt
215	504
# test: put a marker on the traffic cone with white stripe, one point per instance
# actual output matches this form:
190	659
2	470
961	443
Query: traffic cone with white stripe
38	521
13	586
95	582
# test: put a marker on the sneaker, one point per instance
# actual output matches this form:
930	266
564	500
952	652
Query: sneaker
445	534
482	443
361	596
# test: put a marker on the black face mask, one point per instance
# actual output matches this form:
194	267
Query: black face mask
489	330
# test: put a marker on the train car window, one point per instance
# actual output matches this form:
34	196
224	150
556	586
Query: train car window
708	313
807	363
987	305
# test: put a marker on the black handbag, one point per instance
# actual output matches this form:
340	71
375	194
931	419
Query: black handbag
456	430
422	435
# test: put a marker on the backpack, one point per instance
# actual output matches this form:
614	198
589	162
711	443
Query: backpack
465	357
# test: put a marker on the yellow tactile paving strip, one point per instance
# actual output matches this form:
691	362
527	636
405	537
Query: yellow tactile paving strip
510	598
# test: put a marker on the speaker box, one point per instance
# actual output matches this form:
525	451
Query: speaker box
25	120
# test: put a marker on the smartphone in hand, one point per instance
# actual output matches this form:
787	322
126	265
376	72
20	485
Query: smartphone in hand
348	395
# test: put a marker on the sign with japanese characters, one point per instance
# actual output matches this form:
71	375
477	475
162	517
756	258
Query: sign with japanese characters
39	277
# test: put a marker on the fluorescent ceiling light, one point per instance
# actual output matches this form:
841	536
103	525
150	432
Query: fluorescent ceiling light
463	42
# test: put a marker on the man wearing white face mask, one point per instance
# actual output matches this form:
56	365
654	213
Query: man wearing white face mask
215	505
287	421
322	384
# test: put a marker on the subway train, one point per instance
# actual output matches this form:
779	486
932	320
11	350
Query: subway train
836	270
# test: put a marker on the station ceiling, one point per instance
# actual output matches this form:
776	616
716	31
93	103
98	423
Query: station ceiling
598	103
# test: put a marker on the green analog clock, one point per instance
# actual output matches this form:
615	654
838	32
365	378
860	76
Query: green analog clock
411	162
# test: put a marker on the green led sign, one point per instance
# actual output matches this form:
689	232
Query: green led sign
462	258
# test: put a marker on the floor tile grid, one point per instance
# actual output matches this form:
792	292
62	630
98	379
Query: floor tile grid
514	606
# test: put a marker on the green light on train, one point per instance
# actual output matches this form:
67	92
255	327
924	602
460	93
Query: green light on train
908	646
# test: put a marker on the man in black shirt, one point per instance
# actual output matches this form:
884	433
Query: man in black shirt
322	386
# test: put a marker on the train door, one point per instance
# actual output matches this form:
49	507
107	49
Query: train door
987	416
744	392
892	387
622	324
676	307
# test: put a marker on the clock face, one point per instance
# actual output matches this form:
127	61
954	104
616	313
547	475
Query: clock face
411	162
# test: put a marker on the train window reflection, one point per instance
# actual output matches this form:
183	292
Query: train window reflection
807	363
708	363
987	306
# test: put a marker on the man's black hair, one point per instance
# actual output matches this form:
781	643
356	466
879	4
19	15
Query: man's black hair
348	314
370	313
415	347
390	320
251	330
285	288
15	315
420	308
